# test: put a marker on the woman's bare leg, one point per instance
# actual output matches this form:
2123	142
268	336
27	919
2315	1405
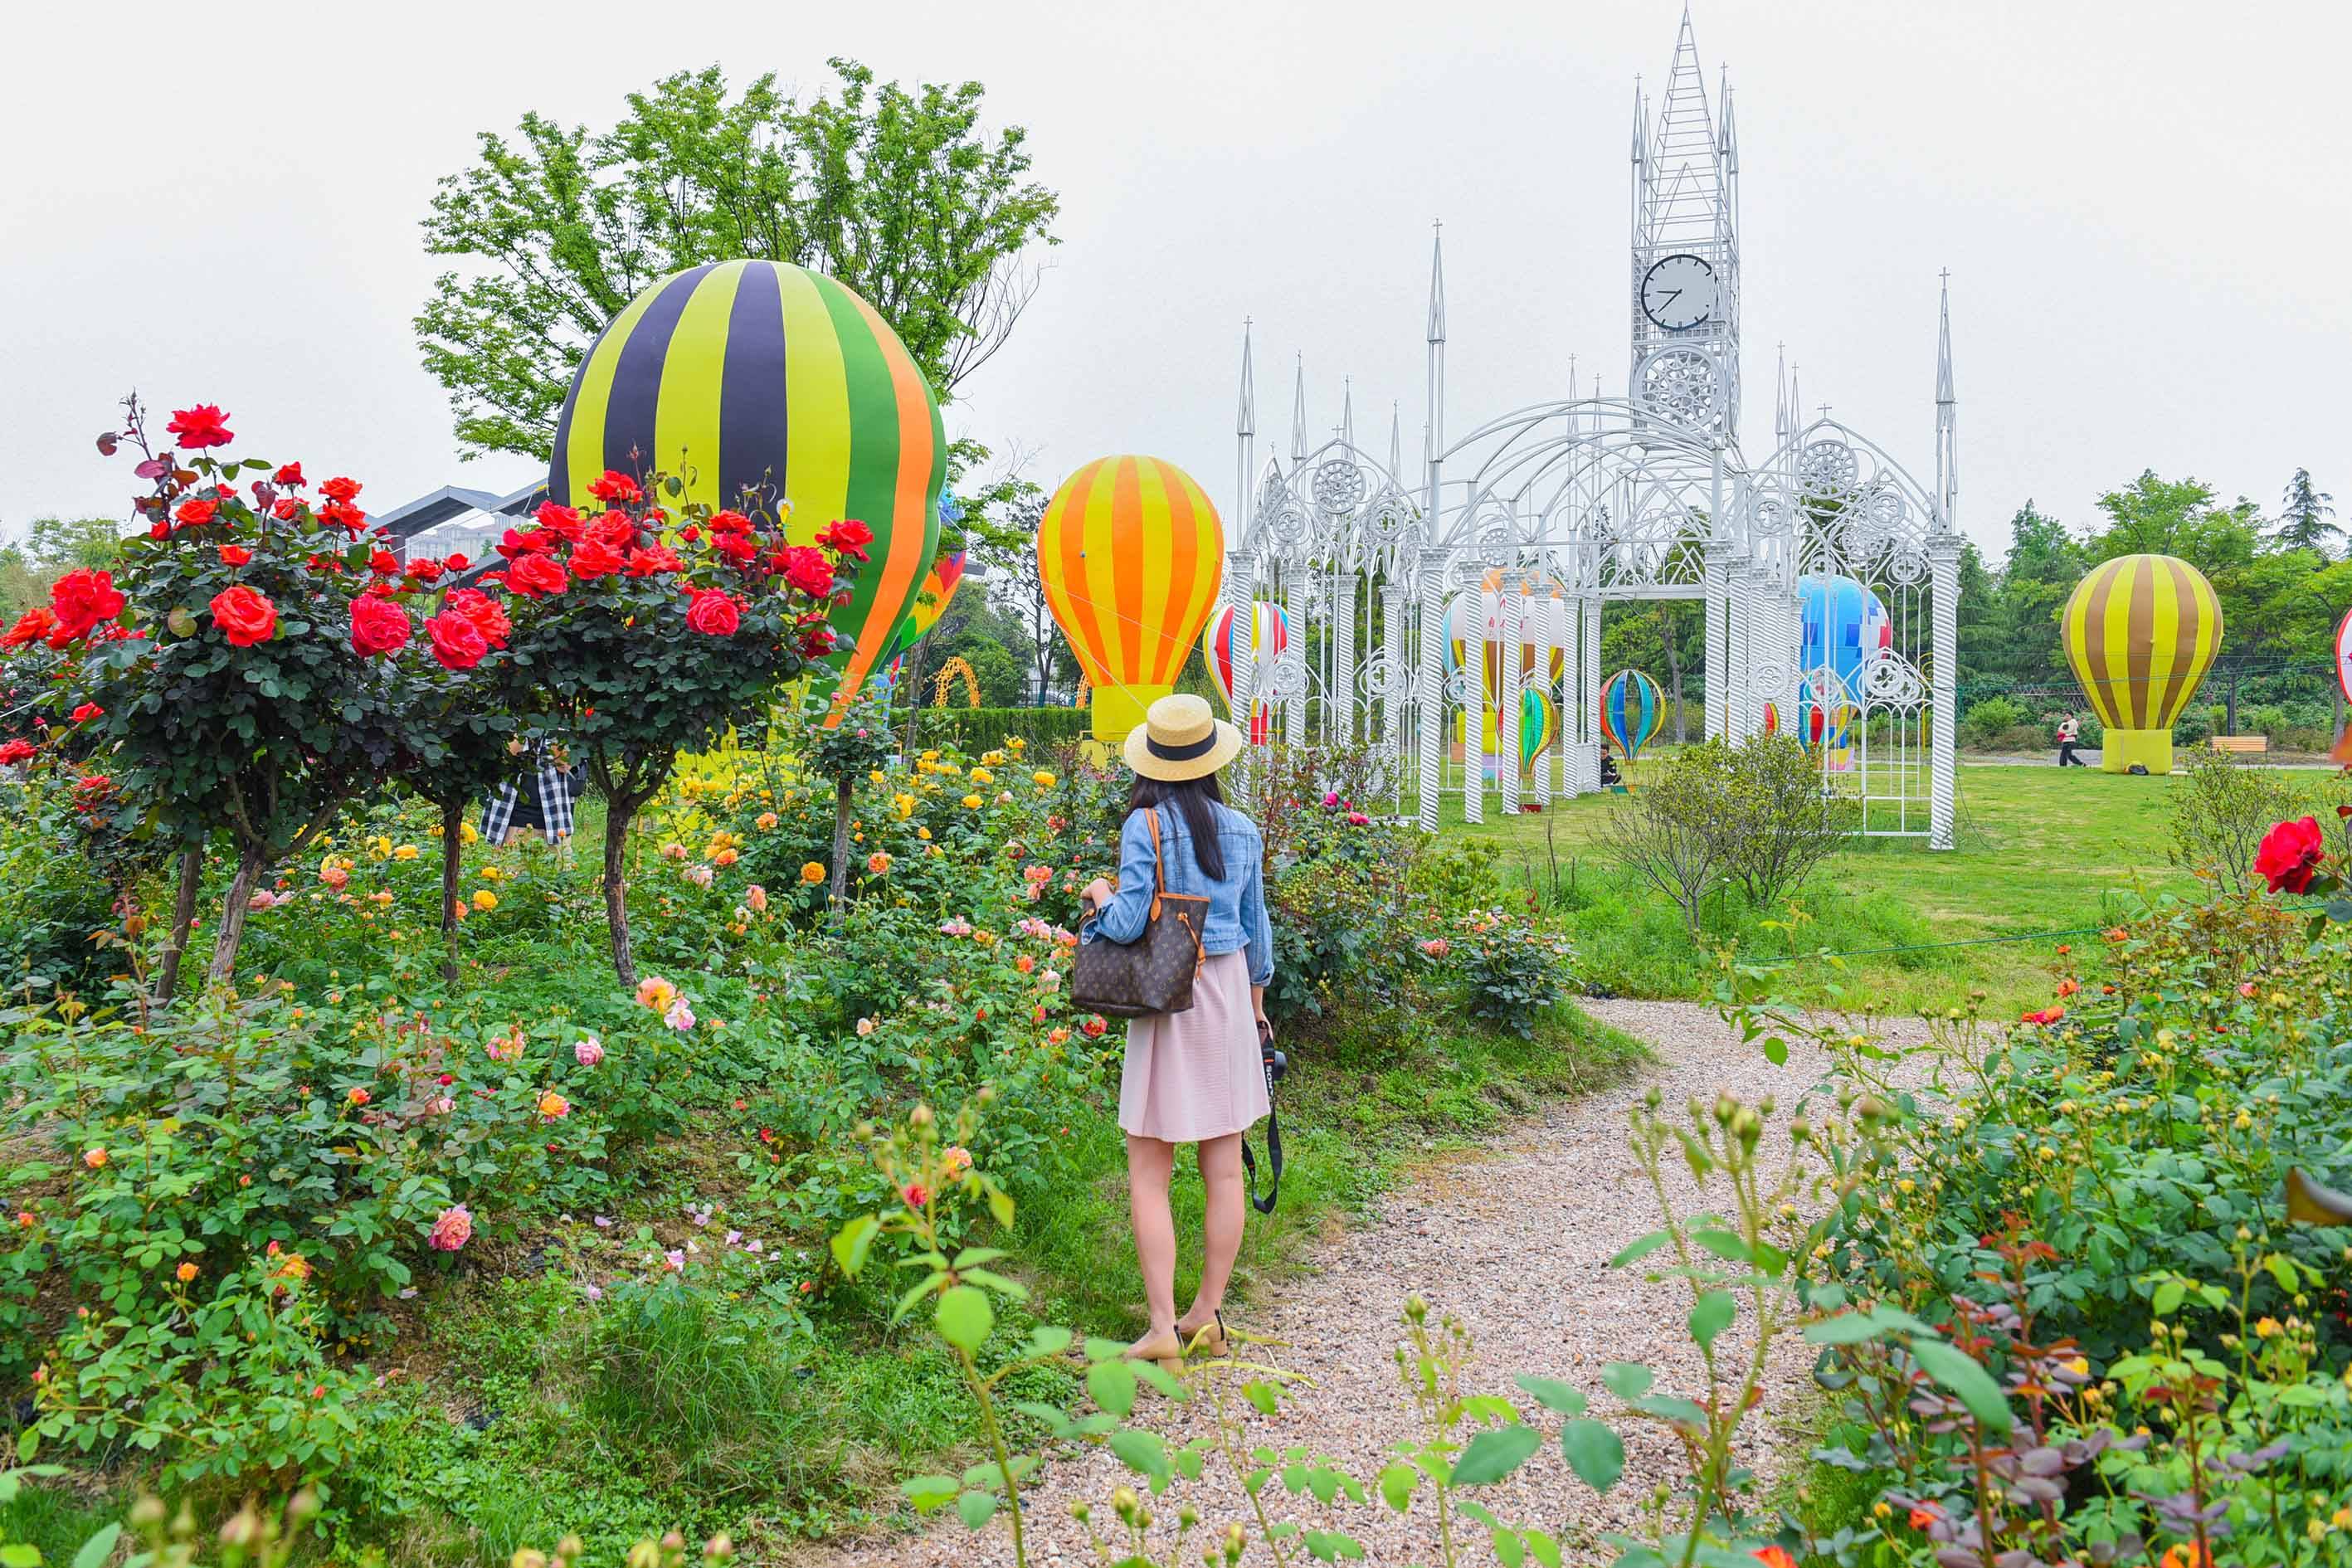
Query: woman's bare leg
1149	1164
1227	1209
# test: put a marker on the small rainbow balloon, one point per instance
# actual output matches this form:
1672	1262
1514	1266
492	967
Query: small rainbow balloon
1630	712
1131	555
1771	718
2141	632
1538	725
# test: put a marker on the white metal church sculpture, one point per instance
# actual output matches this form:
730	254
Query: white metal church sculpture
1526	526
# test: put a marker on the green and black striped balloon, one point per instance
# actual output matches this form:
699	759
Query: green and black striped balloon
741	373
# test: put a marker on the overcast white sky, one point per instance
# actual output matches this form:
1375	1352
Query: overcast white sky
2142	205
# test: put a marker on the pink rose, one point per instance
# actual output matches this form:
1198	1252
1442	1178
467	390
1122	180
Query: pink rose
589	1051
453	1229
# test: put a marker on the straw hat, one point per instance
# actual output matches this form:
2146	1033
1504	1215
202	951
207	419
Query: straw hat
1180	739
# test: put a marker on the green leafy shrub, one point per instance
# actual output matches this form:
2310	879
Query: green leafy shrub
977	730
1988	719
2221	806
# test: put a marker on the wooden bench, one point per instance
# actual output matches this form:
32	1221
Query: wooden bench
2255	745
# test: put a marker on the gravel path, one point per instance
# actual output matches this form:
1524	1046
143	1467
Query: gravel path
1515	1240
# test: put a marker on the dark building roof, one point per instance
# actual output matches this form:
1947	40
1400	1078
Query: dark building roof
413	518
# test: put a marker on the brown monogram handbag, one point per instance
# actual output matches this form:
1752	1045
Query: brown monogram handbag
1154	973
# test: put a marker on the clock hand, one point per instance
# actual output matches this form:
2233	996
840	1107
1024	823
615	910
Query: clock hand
1671	296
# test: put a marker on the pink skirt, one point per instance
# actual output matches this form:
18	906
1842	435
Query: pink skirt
1195	1075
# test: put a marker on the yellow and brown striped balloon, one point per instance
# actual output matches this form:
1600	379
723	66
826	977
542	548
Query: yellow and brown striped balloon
2141	631
747	374
1131	554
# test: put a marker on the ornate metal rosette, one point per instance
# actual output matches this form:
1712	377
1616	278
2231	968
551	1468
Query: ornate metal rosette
1288	521
1338	485
1770	679
1459	688
1770	516
1827	467
1906	566
1891	680
1683	385
1286	679
1385	677
1824	686
1498	543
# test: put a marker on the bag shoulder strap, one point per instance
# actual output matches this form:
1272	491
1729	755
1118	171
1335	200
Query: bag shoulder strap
1158	872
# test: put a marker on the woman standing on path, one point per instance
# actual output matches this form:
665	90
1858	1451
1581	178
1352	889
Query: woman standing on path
1192	1077
2069	731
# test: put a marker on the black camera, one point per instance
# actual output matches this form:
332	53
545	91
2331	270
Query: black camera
1272	1060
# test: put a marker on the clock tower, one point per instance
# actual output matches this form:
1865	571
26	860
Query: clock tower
1685	272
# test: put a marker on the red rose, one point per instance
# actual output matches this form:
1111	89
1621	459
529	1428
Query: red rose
15	751
2290	855
423	569
563	522
341	488
291	475
31	625
86	713
614	486
378	626
484	612
457	642
713	614
234	554
653	560
286	509
196	514
591	560
383	564
82	598
739	548
808	571
730	523
847	537
616	531
245	616
342	514
690	533
455	561
816	642
532	576
201	426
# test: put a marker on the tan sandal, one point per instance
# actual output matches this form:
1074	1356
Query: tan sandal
1209	1340
1164	1349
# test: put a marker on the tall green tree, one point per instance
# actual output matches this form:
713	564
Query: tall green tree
2303	513
899	193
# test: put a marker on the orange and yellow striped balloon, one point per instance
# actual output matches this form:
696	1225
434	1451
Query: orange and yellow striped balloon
2141	631
1131	554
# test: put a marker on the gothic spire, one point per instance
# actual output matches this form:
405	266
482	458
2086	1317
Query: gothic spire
1245	421
1348	409
1298	413
1948	411
1437	283
1396	439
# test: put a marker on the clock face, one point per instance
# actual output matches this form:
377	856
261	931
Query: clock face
1678	292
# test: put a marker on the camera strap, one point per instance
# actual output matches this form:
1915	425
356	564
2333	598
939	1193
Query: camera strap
1273	1063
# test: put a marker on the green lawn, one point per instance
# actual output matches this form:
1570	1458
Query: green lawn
2040	851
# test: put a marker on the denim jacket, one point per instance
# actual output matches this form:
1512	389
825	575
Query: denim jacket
1236	916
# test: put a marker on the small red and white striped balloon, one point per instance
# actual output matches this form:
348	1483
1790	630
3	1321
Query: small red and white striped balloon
1269	633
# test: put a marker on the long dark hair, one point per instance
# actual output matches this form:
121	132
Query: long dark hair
1197	800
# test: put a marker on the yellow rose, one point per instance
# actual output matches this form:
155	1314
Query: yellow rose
875	775
924	833
982	776
905	805
405	852
1043	779
485	899
491	873
972	803
764	821
468	834
812	872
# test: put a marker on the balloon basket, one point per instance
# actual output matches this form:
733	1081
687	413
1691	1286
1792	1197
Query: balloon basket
2120	751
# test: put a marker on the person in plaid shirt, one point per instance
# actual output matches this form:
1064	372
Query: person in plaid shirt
553	788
